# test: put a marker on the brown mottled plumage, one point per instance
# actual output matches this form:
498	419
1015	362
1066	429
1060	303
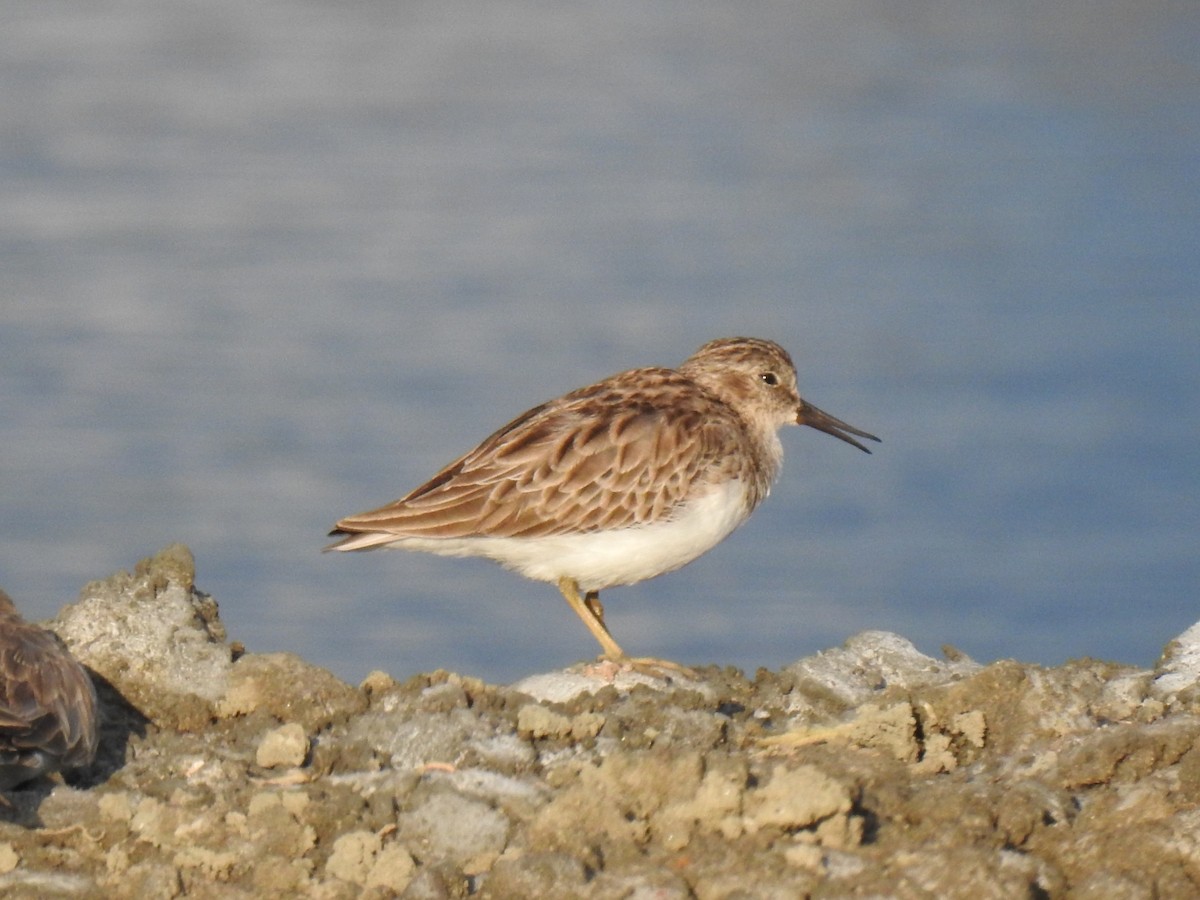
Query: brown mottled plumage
47	702
614	483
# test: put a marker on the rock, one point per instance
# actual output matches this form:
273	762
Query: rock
867	770
285	746
1178	670
796	798
590	678
155	638
536	721
392	870
275	682
537	874
449	826
353	856
870	663
278	825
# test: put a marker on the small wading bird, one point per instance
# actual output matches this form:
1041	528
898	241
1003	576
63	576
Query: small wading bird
47	703
615	483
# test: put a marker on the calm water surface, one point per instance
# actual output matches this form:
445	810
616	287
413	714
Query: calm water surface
268	265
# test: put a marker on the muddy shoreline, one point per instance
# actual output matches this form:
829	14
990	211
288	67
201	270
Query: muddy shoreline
865	770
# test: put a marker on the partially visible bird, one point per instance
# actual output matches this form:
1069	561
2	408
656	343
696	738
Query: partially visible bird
47	703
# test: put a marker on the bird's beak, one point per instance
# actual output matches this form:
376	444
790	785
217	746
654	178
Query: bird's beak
811	416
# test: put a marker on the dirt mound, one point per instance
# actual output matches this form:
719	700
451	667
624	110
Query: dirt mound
869	769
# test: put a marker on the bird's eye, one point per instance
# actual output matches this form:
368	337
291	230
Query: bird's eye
769	378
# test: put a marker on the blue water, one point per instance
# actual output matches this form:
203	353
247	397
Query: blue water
266	265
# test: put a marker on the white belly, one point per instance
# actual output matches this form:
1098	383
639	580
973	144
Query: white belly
605	559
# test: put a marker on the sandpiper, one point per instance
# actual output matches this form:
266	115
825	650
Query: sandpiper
47	702
614	483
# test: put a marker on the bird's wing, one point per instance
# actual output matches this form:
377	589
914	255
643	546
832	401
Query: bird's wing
47	700
621	453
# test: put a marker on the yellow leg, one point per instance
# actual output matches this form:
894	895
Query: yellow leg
591	612
592	601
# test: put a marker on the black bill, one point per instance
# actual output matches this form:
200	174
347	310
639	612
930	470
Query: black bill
811	416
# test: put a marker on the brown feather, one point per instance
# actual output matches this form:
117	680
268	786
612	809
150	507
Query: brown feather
639	463
47	702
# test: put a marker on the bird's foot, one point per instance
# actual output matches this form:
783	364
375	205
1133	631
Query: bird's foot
609	667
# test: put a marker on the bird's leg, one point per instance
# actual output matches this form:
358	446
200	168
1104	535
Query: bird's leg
591	610
592	614
592	601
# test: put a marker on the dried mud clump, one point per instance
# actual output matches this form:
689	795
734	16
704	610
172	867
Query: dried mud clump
866	770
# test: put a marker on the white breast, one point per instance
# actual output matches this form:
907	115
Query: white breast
604	559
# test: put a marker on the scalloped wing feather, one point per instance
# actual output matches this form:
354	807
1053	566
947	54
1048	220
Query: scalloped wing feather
47	701
571	466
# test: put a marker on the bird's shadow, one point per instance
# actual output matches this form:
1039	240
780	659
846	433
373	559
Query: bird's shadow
119	722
